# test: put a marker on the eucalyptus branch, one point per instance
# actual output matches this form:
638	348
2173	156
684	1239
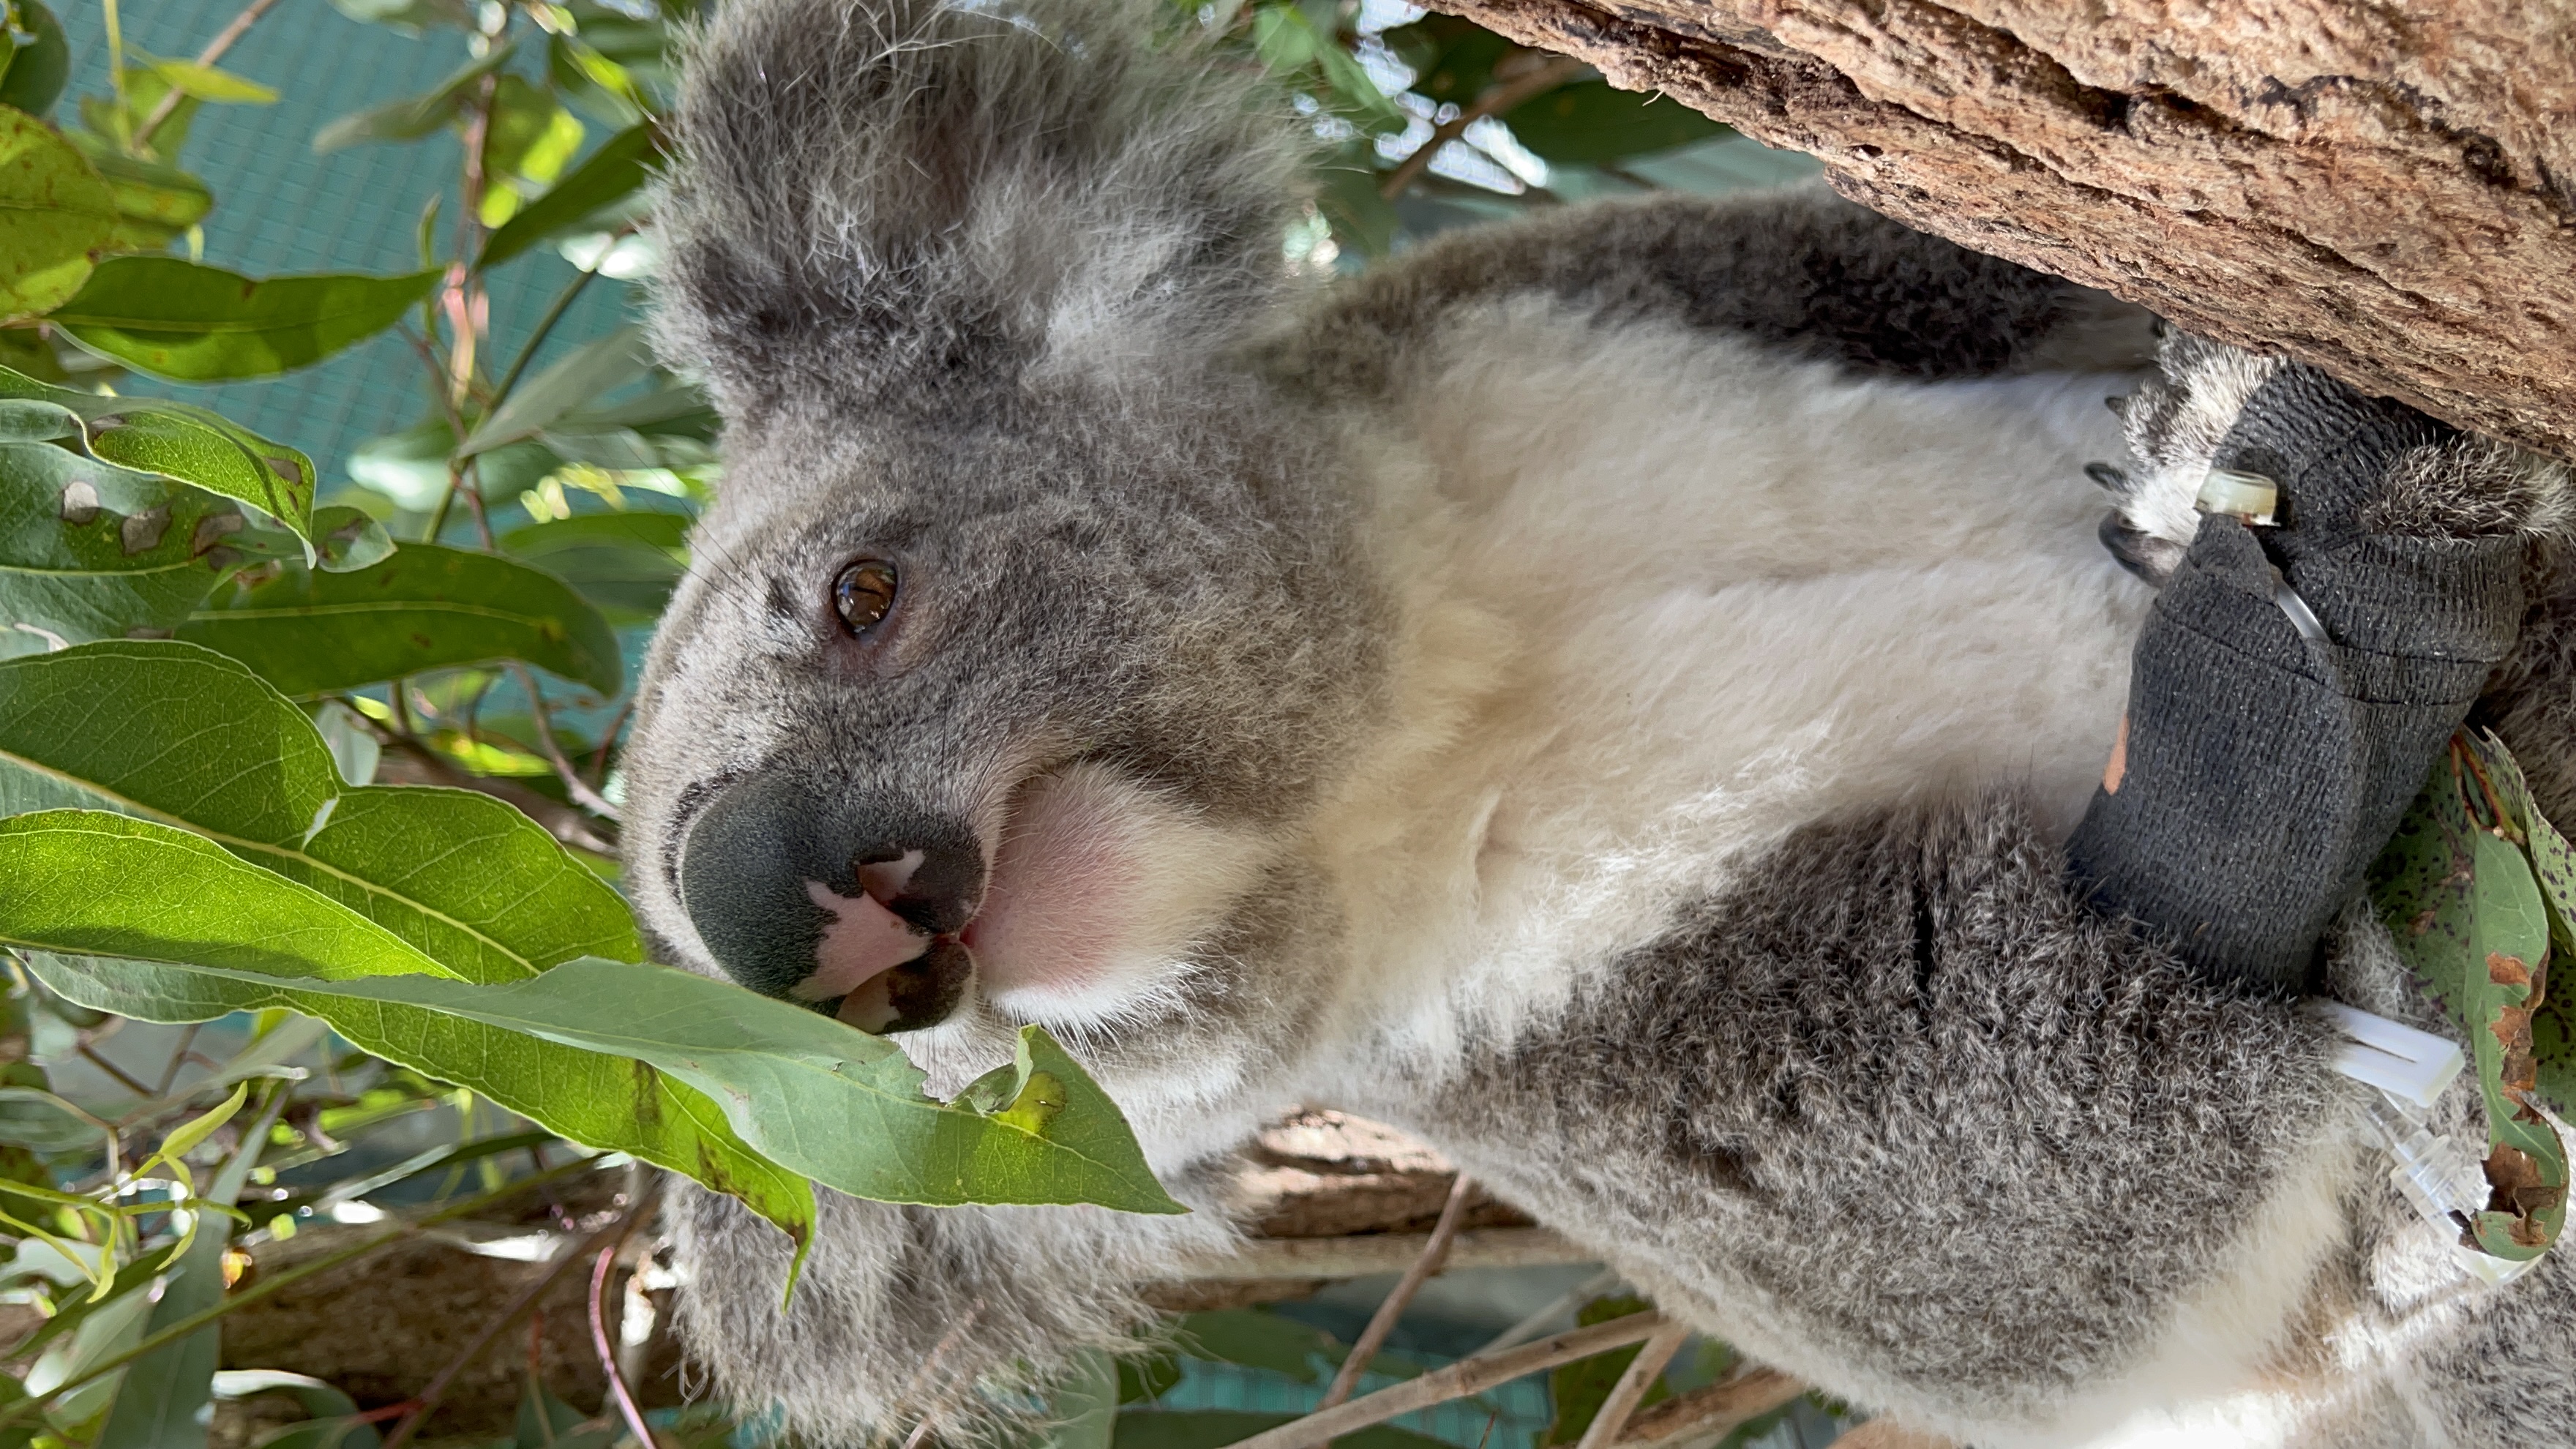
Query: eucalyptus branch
267	1284
168	105
1435	1253
1499	97
1463	1379
574	785
1713	1411
1640	1375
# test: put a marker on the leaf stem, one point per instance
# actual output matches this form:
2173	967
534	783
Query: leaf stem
168	105
617	1391
554	314
574	785
34	1404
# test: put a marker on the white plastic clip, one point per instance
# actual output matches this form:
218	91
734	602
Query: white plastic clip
2249	496
2409	1065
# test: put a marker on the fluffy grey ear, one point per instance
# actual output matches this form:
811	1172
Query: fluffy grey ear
902	199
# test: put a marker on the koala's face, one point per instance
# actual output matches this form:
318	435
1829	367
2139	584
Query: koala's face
952	728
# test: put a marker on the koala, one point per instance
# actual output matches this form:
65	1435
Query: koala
1609	694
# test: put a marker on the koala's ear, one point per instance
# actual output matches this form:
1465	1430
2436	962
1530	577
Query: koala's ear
886	198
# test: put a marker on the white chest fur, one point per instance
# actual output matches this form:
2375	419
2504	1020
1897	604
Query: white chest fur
1669	598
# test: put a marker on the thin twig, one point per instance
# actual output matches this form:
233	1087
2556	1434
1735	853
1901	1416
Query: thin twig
554	314
608	741
1453	1213
1713	1410
625	1401
1641	1373
214	51
1499	97
574	785
1467	1377
178	1058
1570	1300
91	1054
269	1283
427	1400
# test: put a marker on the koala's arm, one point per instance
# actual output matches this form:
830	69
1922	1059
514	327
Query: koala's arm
1895	1086
2296	680
1802	272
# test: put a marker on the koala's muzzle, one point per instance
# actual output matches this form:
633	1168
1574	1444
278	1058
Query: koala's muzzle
806	891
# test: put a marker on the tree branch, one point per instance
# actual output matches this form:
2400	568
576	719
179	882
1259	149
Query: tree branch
1639	1376
1381	1323
1459	1380
1497	98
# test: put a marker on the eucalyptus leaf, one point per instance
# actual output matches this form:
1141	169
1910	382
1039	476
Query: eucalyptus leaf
580	376
610	174
90	551
177	441
155	202
413	117
163	1392
810	1094
626	563
206	83
1588	122
55	212
34	79
311	632
196	323
172	733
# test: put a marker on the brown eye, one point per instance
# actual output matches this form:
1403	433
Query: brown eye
864	593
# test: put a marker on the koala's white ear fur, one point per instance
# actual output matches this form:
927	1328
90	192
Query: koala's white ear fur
906	200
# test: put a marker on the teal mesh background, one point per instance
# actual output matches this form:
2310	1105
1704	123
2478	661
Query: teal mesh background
281	208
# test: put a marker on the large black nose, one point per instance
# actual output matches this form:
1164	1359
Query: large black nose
761	868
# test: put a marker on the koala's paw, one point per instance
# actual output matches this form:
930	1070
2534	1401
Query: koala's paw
2471	487
2175	422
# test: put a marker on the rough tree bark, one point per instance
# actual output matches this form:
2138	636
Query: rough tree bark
2386	190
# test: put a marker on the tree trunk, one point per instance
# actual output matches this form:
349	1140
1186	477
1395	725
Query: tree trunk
2387	191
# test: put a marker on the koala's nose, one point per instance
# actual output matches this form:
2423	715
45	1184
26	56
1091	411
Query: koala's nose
807	892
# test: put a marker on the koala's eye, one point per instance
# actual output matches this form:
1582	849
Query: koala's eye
864	593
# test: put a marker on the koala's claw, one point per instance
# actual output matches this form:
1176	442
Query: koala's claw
2178	420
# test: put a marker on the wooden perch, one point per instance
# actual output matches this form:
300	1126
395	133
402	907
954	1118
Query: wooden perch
2388	192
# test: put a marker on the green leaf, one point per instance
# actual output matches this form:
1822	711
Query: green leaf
1084	1414
90	551
426	607
409	14
1254	1338
206	83
195	323
599	1101
54	213
1589	122
612	173
155	202
94	883
176	734
1452	60
177	441
626	563
581	376
164	1391
527	144
34	79
413	117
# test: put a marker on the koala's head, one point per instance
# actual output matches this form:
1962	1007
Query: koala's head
1025	629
